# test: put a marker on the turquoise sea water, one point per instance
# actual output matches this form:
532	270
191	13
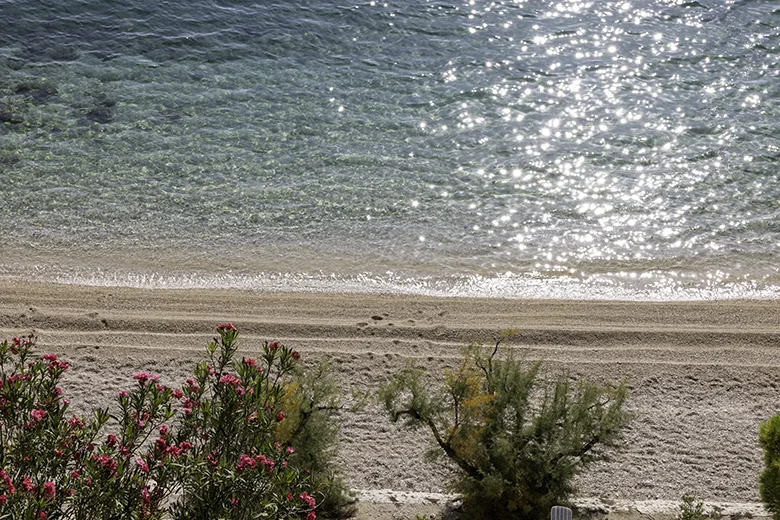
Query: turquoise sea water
603	149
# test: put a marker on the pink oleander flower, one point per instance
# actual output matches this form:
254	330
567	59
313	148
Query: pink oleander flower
268	464
178	394
311	516
245	461
55	363
274	346
250	362
308	499
3	499
111	440
143	377
9	485
191	384
161	444
142	465
213	459
38	414
295	355
225	326
106	463
280	417
16	378
49	490
290	450
164	430
230	379
43	516
27	485
173	451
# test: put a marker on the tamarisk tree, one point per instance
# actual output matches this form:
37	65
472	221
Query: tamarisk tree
516	438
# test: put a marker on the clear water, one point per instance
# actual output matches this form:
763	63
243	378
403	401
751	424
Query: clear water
602	149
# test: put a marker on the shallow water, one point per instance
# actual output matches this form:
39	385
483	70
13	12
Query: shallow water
524	148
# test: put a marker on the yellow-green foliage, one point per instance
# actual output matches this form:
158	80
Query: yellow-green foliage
516	439
470	408
312	405
769	481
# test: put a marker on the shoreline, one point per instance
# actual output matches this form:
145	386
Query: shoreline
601	285
702	374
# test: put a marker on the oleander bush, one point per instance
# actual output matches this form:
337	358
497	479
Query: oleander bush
219	447
769	480
516	439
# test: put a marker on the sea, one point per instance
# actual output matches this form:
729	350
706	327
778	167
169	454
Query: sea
602	149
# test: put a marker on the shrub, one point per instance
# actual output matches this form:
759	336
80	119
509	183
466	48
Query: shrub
517	441
40	446
122	475
221	458
312	403
692	509
769	480
233	465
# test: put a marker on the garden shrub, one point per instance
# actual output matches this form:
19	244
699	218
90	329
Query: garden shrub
211	449
233	465
517	440
769	480
42	449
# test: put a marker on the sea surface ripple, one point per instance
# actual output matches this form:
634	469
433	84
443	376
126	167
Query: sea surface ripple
524	148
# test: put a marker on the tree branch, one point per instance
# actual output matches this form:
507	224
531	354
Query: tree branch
470	470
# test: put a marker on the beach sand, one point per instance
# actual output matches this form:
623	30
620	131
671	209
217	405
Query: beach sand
702	375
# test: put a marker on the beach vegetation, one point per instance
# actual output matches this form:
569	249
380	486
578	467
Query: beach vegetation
769	480
312	404
516	439
217	447
692	509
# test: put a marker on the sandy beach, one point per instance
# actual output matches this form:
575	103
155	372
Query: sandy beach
702	375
